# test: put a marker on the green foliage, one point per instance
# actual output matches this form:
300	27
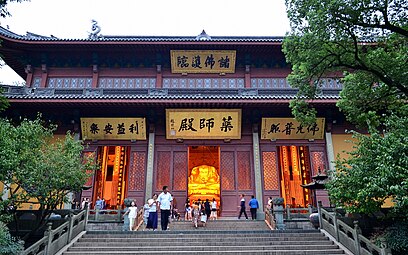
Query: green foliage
397	238
3	102
8	244
3	10
366	42
46	171
377	169
366	38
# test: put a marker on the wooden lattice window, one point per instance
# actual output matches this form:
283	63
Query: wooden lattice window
163	169
271	181
180	171
137	171
227	171
89	154
317	161
244	170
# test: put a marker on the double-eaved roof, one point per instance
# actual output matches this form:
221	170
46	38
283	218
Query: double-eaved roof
19	51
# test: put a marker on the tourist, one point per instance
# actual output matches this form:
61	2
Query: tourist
187	215
269	203
242	206
152	220
207	208
164	202
146	209
253	207
195	214
85	203
213	215
174	208
132	213
99	203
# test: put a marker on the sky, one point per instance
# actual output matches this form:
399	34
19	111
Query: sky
71	19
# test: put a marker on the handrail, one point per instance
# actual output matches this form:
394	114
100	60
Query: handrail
56	239
348	236
269	218
139	219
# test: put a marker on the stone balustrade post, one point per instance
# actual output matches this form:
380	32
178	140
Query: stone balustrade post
384	247
86	217
278	211
48	233
319	211
356	232
336	225
70	226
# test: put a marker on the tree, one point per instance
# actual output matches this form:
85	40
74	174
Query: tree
376	170
366	41
31	166
366	38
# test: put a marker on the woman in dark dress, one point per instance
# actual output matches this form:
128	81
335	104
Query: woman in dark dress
207	208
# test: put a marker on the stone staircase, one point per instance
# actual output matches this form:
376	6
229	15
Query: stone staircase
217	237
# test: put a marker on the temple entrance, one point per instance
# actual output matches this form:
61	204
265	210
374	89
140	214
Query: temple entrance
204	173
110	183
294	165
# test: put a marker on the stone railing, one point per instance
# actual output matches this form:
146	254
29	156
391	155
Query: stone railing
114	216
105	215
55	239
350	237
298	213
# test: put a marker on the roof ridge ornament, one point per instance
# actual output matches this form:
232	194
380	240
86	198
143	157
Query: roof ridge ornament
94	34
203	36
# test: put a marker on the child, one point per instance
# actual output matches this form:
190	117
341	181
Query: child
196	214
213	210
187	216
146	208
132	213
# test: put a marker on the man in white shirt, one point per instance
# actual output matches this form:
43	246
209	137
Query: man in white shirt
164	201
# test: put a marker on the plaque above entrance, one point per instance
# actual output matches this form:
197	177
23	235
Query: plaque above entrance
113	128
203	61
288	128
203	123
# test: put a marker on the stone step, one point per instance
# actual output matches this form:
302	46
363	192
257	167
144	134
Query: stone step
196	239
217	238
192	251
213	247
194	243
200	234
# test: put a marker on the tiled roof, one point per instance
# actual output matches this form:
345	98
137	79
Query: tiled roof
108	38
23	93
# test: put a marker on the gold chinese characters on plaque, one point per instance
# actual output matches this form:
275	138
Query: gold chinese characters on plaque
203	123
113	128
203	61
288	128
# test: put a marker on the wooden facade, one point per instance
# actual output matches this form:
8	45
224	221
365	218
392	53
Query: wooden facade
131	77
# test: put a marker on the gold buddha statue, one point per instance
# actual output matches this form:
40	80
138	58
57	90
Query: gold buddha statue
204	182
